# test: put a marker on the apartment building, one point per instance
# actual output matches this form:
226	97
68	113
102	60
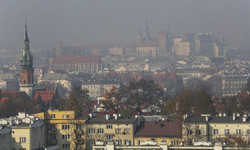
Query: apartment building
116	129
65	129
99	88
206	128
27	132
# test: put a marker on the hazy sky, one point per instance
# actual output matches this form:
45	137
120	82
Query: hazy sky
78	22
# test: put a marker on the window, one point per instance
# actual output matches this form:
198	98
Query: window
238	131
78	127
198	132
52	116
53	127
22	139
226	131
66	146
118	131
52	136
127	142
78	136
126	131
190	132
118	142
65	137
99	131
108	126
216	131
175	143
109	137
92	131
65	116
248	131
65	126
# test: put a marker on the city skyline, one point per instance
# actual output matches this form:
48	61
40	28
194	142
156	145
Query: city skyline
78	23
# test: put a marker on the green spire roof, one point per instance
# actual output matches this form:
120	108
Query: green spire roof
26	56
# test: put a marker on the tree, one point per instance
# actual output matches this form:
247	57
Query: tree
111	100
196	102
78	100
233	141
170	109
141	92
125	112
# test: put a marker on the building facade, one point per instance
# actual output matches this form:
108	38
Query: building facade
84	63
64	128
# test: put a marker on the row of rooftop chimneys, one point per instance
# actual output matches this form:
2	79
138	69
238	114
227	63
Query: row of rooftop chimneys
208	116
108	116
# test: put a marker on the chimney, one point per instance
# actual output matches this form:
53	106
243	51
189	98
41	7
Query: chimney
224	114
116	116
207	118
90	115
234	116
245	117
107	116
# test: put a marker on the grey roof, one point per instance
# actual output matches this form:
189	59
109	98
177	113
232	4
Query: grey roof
112	120
55	76
216	119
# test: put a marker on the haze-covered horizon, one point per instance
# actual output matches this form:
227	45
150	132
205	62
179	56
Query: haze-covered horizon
114	21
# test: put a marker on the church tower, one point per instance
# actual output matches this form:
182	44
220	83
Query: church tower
26	72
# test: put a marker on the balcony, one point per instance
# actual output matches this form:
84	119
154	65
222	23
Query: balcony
52	142
99	143
52	131
148	143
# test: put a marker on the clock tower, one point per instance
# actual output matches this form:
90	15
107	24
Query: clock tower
26	72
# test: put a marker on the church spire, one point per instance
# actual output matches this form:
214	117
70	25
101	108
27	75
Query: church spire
26	57
26	38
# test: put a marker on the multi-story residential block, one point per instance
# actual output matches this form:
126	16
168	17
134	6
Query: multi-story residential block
232	83
206	128
119	130
65	129
148	50
99	88
181	46
85	63
27	132
156	133
118	51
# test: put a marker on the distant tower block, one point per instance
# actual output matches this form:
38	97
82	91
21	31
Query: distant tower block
59	47
27	70
143	36
162	39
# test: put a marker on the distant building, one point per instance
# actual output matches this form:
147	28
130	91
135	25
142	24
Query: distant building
27	70
233	83
165	41
148	50
117	51
85	63
99	88
143	36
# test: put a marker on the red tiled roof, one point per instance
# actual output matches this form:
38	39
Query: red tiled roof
45	95
70	59
159	129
